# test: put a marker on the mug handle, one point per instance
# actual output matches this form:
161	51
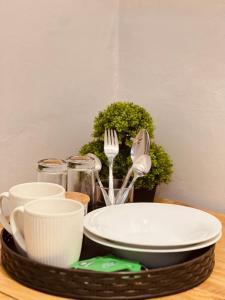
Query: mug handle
17	234
3	219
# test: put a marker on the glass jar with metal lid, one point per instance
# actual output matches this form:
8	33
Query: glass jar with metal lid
81	175
52	170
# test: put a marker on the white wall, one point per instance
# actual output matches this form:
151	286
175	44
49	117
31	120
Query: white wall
63	61
56	73
172	61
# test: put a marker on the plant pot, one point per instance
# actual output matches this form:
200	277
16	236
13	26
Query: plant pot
144	195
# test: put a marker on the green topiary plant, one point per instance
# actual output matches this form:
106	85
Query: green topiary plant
127	119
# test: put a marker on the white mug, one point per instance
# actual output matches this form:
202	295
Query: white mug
53	230
23	193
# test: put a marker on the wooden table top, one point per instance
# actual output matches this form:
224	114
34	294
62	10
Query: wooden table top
211	289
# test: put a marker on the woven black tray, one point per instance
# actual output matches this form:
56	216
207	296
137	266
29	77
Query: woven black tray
79	284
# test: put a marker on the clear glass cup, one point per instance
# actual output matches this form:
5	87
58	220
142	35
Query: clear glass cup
52	170
81	175
117	183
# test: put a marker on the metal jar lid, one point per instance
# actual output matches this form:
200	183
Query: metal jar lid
80	162
52	165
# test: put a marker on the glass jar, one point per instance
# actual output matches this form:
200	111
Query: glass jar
81	175
52	170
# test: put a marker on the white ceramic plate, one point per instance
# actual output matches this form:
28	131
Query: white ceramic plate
116	245
152	258
152	224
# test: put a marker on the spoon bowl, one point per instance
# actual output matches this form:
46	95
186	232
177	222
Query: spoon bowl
140	168
98	167
140	145
98	164
142	165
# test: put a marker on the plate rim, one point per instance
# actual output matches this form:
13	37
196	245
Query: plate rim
115	245
109	237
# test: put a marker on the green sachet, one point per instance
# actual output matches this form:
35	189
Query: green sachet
108	263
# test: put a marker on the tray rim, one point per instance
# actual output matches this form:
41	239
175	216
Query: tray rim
90	271
146	273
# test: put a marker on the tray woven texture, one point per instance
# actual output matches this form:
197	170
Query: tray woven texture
79	284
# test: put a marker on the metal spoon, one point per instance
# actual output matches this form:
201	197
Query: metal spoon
141	167
141	145
98	167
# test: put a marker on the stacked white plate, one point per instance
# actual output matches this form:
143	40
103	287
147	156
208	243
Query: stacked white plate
154	234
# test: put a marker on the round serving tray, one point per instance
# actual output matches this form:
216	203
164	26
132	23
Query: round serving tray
80	284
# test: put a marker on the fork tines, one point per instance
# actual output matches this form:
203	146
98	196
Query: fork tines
110	138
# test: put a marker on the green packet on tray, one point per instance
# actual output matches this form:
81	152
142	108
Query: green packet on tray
108	263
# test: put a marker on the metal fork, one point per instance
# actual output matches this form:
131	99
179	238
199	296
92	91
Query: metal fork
111	149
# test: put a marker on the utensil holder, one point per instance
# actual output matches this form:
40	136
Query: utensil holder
98	198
